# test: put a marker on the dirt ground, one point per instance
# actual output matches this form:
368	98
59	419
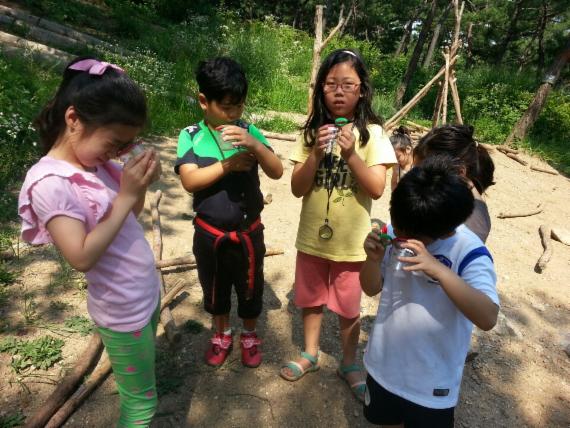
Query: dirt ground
520	376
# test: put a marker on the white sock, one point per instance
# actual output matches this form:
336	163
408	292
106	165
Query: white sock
228	332
246	331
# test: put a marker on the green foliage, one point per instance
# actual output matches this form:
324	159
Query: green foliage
6	277
12	420
550	134
79	324
40	353
277	124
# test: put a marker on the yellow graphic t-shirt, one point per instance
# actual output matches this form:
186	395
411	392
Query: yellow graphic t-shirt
349	211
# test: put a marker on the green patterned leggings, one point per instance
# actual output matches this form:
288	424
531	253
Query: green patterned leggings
132	357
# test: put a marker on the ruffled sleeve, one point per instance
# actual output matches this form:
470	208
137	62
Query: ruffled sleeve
66	193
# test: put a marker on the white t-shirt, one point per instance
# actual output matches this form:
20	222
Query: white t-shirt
420	338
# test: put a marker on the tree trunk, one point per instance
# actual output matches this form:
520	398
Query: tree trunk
435	37
412	65
533	111
510	33
403	45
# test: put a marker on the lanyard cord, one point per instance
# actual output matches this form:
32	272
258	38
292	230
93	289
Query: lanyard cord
330	180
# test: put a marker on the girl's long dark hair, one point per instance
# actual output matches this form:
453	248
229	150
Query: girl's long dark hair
458	142
99	100
363	116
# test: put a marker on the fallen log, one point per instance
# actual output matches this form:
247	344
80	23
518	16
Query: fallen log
505	149
190	260
85	363
278	136
96	378
166	319
538	210
514	157
546	171
545	232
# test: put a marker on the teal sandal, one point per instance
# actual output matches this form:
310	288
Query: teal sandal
298	370
358	388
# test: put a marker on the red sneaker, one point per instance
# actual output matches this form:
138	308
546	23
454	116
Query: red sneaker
219	349
250	353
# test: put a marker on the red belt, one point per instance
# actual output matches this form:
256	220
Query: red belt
239	237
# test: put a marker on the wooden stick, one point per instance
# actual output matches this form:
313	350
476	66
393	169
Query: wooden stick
172	293
278	136
419	127
545	231
437	108
190	260
505	149
546	171
421	93
455	96
537	210
172	333
85	363
445	87
96	378
560	235
514	157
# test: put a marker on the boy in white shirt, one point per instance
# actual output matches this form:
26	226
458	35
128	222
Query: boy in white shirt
416	352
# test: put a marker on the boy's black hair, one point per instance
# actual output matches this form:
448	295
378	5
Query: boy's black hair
431	200
222	78
458	142
99	100
363	116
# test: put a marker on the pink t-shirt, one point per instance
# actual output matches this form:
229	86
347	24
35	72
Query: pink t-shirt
123	287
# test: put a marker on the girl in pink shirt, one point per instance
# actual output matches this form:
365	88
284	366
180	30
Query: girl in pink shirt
76	198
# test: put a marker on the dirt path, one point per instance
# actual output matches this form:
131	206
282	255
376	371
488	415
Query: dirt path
519	378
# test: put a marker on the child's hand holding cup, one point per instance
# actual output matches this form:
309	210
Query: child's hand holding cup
137	149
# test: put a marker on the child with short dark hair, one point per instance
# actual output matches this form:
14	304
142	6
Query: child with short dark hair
404	150
218	162
437	280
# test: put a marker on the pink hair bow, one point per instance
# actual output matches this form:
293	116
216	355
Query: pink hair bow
93	66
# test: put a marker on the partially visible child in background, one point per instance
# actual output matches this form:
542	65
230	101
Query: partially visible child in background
218	161
437	280
78	199
473	163
337	190
404	149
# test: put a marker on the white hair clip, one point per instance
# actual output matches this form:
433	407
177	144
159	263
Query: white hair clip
351	53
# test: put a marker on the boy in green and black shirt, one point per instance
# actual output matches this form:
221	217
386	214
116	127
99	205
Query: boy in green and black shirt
218	162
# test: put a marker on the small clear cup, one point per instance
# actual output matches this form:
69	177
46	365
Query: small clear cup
132	152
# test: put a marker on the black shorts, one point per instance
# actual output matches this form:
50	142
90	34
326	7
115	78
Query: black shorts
381	407
227	267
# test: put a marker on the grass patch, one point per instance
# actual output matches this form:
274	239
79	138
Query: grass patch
12	420
40	353
79	324
277	124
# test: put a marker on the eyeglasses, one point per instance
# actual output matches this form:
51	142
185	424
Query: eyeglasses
346	87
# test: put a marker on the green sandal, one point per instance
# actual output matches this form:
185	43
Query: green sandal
358	388
298	370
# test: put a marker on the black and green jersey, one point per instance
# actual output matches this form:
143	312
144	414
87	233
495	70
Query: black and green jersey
233	201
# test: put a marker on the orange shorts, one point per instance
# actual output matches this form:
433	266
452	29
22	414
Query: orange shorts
321	281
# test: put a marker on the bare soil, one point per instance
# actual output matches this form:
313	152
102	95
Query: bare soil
520	376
